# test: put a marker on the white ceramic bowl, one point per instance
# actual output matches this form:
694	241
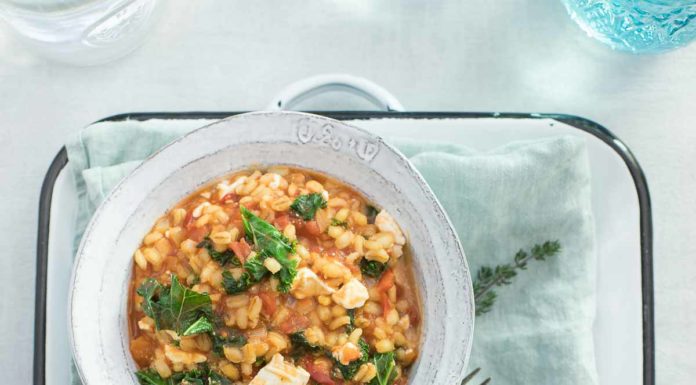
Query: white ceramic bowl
98	316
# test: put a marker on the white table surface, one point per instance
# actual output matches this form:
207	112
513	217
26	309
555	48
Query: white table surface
435	55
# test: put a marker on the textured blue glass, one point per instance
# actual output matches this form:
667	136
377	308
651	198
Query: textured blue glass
637	25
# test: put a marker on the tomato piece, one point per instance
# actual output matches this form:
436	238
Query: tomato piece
295	322
281	221
319	373
312	228
188	219
229	197
241	249
197	234
386	305
387	280
268	302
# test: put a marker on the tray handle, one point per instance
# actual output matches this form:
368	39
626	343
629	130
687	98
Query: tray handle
312	86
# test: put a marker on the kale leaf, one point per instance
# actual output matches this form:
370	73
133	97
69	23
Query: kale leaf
269	242
372	269
384	362
348	371
200	376
306	206
371	213
176	308
351	325
150	377
229	338
300	345
221	257
254	272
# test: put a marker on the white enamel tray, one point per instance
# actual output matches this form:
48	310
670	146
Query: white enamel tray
623	330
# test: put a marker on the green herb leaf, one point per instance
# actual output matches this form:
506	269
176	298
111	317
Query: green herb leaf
372	269
348	371
307	205
269	242
487	277
176	308
221	257
384	362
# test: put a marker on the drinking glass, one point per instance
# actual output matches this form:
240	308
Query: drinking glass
638	26
81	32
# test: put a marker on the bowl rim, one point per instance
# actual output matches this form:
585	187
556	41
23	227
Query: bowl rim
405	163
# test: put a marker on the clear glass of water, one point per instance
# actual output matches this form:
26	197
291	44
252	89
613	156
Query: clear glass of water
80	32
639	26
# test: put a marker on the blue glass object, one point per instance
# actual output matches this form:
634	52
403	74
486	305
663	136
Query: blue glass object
637	25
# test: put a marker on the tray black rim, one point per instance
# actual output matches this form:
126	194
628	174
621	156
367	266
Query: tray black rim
586	125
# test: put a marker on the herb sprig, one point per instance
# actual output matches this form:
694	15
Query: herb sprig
489	278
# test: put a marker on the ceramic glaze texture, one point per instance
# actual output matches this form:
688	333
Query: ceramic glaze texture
98	307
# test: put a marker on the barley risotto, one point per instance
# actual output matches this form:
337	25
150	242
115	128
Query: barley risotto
281	276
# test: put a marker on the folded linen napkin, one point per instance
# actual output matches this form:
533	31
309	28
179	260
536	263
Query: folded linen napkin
540	329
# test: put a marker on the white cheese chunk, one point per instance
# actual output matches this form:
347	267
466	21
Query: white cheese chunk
385	222
278	372
308	284
352	295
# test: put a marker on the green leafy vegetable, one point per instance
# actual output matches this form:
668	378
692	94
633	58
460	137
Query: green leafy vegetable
226	338
384	362
372	269
269	242
221	257
150	377
176	308
301	347
336	222
306	206
254	272
351	325
371	213
201	376
348	371
488	277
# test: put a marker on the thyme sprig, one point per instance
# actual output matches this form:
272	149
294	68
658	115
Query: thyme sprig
489	278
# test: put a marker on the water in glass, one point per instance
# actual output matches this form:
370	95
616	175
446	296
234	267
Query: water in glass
637	25
82	32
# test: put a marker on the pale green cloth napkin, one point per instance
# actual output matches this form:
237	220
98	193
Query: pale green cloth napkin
540	329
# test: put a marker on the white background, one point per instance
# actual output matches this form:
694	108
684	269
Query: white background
434	55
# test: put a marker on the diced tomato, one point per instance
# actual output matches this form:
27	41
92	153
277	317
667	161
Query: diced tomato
387	280
295	322
281	221
386	305
312	228
268	300
241	249
319	373
229	197
197	234
188	219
